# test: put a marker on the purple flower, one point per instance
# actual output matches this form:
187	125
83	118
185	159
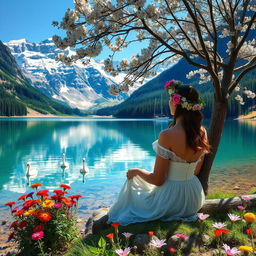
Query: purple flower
124	252
181	236
127	234
218	225
157	243
202	216
229	251
233	217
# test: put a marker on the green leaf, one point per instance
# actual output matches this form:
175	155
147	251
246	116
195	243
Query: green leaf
94	250
102	243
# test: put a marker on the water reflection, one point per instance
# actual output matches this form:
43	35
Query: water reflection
110	147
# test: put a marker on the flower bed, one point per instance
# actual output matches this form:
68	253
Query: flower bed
43	224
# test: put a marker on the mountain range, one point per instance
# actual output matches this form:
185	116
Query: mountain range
82	86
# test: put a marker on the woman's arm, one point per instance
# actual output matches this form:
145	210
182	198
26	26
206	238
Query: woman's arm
161	168
199	165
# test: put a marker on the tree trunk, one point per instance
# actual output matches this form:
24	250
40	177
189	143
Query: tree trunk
214	135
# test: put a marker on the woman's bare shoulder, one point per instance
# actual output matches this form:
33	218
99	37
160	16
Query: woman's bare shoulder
169	136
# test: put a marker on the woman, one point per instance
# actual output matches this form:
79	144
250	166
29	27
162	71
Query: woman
172	191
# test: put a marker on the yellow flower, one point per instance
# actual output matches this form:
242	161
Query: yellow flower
48	204
245	248
250	217
29	212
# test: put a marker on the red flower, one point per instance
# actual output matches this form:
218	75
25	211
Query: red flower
42	192
218	232
20	212
60	192
30	195
38	228
172	250
37	235
68	201
75	197
44	216
115	225
110	236
249	231
11	236
14	224
10	204
54	197
36	185
23	224
64	186
150	233
15	209
23	197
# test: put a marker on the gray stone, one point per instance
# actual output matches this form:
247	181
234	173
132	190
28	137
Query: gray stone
97	222
141	240
236	188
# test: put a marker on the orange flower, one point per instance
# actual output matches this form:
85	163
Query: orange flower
64	186
36	185
110	236
20	212
48	204
38	228
30	212
218	232
23	197
115	225
67	201
44	216
250	217
150	233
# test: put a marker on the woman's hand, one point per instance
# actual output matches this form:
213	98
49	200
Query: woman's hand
132	172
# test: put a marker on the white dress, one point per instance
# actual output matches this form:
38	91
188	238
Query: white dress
179	198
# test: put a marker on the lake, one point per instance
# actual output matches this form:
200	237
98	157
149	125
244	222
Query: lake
110	147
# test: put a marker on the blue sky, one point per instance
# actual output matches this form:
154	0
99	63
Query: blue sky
32	19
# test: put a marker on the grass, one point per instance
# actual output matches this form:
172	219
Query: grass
164	230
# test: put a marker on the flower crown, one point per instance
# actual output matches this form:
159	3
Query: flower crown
171	88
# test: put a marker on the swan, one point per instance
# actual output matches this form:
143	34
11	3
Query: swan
31	171
64	164
85	169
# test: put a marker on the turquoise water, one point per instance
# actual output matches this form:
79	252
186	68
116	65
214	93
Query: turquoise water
110	146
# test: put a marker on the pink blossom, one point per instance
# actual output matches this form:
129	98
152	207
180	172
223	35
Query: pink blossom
157	243
124	252
181	236
233	217
176	98
245	198
172	250
57	205
218	225
15	209
229	251
168	83
240	207
38	235
127	234
30	195
196	107
202	216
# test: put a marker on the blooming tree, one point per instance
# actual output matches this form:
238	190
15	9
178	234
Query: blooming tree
170	29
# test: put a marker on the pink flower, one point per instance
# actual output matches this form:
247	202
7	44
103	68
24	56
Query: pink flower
157	243
124	252
30	195
240	207
218	225
57	206
127	234
196	107
202	216
38	235
233	217
181	236
229	251
168	83
176	98
172	250
245	198
15	209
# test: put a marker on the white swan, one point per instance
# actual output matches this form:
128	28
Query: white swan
31	171
85	169
64	164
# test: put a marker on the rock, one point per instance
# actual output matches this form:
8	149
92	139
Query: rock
4	222
236	188
97	222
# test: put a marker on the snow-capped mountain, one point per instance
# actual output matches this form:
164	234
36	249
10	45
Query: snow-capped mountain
79	85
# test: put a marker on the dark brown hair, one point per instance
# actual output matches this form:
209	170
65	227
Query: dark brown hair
192	120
